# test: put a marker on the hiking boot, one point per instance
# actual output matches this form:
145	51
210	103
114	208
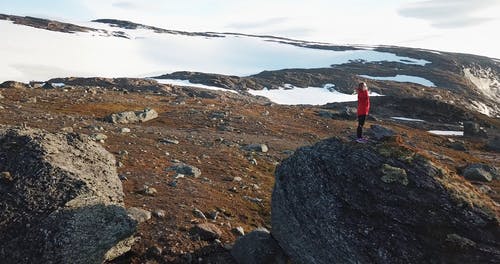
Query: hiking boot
362	140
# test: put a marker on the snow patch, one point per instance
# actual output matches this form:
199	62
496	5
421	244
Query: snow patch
292	95
403	78
146	53
190	84
407	119
446	132
58	85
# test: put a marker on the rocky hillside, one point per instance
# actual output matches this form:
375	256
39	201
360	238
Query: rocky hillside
47	24
201	166
470	81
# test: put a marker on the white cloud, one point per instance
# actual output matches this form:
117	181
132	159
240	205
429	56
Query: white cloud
452	14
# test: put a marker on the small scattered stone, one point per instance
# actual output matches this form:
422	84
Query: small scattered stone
138	214
213	214
154	251
6	176
173	184
169	141
237	179
207	231
257	148
98	137
125	130
186	169
198	213
160	213
67	129
239	231
253	199
148	190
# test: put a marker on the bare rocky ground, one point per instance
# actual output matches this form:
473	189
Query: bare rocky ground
208	130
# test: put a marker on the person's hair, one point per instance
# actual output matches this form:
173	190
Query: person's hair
361	84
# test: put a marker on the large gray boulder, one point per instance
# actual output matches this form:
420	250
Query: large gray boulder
62	201
128	117
481	172
258	246
472	129
340	202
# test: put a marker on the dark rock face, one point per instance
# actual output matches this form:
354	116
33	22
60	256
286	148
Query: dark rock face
258	246
338	202
64	201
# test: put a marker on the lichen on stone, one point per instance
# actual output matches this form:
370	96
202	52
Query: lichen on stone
394	174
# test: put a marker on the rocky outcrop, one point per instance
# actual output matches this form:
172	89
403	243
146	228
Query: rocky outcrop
338	202
13	85
132	116
258	246
128	84
62	201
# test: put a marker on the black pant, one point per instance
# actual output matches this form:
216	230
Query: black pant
361	123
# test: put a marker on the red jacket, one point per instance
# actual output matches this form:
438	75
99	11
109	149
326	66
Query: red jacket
363	102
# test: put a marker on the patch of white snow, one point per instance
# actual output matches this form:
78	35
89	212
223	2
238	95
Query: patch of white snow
190	84
403	78
291	95
407	119
446	132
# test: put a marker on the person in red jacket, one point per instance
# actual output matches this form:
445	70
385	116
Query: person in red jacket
363	109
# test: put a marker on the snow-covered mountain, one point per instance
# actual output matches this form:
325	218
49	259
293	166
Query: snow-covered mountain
39	49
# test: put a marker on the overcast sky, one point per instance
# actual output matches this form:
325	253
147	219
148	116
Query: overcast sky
450	25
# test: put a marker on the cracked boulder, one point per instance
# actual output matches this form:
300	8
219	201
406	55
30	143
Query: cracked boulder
342	202
62	201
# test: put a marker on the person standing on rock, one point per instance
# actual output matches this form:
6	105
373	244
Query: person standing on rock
363	109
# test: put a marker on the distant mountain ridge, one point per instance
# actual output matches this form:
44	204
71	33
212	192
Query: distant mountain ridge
468	80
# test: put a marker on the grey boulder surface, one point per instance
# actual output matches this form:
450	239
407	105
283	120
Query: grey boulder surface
64	201
342	202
